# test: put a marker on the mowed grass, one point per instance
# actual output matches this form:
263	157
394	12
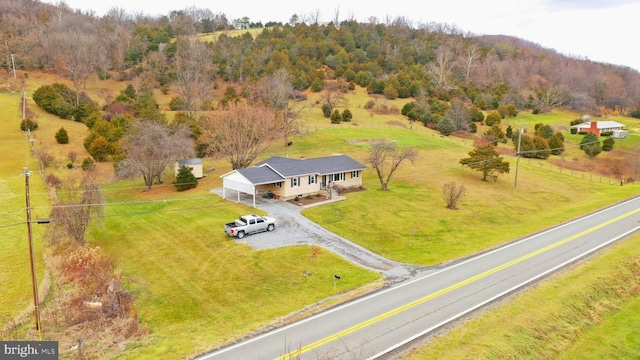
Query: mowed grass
197	288
15	271
410	222
589	312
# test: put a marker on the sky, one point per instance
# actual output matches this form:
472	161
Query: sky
598	30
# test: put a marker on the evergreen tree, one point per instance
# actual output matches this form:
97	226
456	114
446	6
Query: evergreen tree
446	127
556	143
607	144
185	179
487	160
62	137
336	118
347	115
591	146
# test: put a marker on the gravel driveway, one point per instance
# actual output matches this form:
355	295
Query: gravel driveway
294	229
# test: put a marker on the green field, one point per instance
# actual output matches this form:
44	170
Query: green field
15	271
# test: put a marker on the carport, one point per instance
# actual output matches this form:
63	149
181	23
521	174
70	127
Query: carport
246	180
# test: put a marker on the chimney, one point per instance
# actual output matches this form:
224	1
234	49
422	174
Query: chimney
594	128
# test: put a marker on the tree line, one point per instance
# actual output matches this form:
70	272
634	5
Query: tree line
392	57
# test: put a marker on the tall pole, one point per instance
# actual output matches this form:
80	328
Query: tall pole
34	281
515	184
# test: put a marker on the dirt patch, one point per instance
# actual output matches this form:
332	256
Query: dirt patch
378	140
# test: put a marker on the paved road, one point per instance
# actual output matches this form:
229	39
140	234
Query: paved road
374	325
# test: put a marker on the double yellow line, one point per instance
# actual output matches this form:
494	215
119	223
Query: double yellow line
295	354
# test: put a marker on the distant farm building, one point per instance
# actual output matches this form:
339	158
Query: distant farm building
194	163
598	127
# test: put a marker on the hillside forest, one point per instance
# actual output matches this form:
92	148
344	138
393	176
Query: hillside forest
435	64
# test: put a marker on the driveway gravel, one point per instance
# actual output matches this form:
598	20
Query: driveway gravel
293	228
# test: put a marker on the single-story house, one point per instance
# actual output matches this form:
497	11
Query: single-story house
287	177
194	163
598	127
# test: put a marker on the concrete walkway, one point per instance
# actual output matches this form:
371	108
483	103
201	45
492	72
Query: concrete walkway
294	229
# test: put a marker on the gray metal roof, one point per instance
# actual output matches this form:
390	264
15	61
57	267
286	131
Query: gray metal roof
260	175
192	161
288	167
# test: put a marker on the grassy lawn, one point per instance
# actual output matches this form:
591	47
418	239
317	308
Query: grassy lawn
589	312
15	271
414	226
196	287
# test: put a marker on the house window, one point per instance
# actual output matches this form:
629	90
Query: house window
313	179
278	184
295	181
337	177
355	174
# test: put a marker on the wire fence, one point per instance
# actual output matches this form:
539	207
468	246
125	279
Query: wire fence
542	165
591	177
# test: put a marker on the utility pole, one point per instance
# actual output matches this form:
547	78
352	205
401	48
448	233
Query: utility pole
515	183
36	302
34	280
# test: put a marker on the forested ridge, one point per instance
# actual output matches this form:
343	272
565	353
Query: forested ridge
394	58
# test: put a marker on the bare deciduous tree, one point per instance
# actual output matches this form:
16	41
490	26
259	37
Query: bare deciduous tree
276	91
240	132
386	158
150	147
72	211
451	193
549	97
472	54
193	75
79	46
334	95
441	71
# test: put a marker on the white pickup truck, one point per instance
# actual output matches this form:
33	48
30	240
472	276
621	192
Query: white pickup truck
249	224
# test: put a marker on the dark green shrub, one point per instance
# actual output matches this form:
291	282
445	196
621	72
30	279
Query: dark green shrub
591	145
87	164
69	165
476	115
326	110
317	85
185	179
347	115
62	137
445	126
100	148
28	124
493	118
336	118
57	99
607	144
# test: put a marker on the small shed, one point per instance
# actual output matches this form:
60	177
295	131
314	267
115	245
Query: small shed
194	163
620	134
